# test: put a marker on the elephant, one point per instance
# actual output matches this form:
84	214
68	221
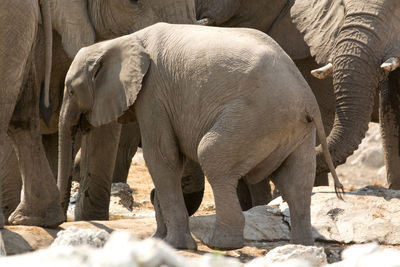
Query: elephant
236	104
347	32
22	22
77	24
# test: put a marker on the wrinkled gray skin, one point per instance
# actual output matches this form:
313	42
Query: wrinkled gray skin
110	19
352	34
77	24
169	80
20	43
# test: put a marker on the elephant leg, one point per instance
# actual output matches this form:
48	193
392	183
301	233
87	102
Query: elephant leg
165	165
260	193
40	203
321	179
229	225
244	195
98	153
128	143
251	195
295	179
161	231
389	114
192	187
10	180
40	198
50	144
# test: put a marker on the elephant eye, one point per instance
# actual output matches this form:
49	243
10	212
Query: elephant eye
134	1
70	93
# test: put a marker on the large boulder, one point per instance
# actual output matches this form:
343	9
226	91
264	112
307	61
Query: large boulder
368	214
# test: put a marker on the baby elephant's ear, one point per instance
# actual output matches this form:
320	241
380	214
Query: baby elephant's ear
117	78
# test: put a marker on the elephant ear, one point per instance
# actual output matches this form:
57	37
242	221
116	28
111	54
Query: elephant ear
117	77
71	20
320	22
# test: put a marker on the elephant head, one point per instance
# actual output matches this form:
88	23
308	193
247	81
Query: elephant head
102	82
356	37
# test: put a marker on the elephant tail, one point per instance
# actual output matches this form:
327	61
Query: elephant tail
316	119
48	35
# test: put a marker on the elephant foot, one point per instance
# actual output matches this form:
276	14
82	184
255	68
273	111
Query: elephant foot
184	241
21	217
54	216
27	216
160	234
225	239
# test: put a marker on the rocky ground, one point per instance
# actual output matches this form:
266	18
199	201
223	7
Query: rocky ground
369	214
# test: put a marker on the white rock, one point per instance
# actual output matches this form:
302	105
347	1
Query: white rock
369	255
121	250
369	214
133	252
215	259
315	256
261	262
75	236
371	157
263	223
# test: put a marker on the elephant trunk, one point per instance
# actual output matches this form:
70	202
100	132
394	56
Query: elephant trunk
67	132
355	80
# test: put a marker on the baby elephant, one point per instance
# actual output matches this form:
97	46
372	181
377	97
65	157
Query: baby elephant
229	99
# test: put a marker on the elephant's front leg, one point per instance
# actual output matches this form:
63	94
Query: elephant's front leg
165	164
128	143
171	214
10	180
98	153
389	113
40	198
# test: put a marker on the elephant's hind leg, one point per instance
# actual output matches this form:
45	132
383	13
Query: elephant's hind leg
295	179
218	159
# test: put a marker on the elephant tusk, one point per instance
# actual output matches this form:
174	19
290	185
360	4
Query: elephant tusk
323	72
391	64
206	22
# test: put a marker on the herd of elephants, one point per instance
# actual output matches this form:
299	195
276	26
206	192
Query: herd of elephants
220	88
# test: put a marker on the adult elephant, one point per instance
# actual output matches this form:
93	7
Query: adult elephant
76	24
19	120
356	37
